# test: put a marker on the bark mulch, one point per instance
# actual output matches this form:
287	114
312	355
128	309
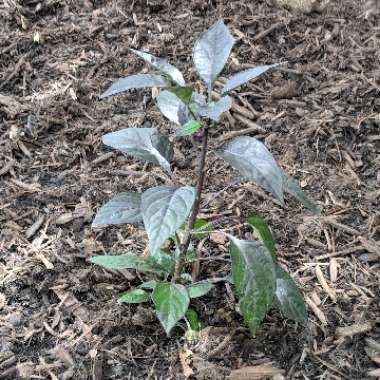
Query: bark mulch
319	115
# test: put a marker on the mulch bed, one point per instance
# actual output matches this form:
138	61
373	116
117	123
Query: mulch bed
319	115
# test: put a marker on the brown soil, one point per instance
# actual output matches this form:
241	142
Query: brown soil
319	115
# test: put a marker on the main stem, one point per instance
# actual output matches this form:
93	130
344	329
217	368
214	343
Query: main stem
195	209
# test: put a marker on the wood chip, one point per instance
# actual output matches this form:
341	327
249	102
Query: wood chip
374	373
333	270
34	227
370	245
323	282
65	218
352	330
44	261
7	167
184	357
255	372
316	311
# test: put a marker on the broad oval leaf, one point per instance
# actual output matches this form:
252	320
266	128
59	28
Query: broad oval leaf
291	186
162	260
288	298
215	111
173	107
199	289
164	209
211	52
254	278
190	127
263	232
136	81
134	296
121	208
245	76
171	301
126	261
142	143
254	161
162	65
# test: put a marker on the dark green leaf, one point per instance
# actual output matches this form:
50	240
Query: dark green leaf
254	278
254	161
288	298
203	231
162	65
126	261
199	289
164	209
190	127
171	301
143	143
121	208
148	285
136	81
134	296
291	186
183	93
199	227
192	317
263	233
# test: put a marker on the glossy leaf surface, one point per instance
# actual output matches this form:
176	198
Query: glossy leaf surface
142	143
245	76
164	209
254	279
162	65
121	208
171	301
211	52
135	82
288	298
254	161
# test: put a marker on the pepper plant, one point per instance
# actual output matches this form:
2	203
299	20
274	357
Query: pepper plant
169	212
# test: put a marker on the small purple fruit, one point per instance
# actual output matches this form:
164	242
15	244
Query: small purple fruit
198	136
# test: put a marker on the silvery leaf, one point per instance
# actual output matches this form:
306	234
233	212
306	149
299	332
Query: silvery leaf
292	187
162	65
121	208
288	297
211	52
244	76
254	161
173	107
164	209
214	111
197	101
136	81
142	143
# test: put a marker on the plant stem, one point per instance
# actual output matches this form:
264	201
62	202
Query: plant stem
195	209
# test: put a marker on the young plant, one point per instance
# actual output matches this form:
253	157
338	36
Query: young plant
170	212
